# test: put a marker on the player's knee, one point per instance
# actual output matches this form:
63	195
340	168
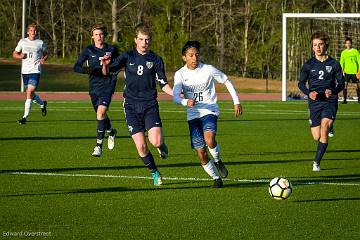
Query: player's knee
210	141
100	116
155	141
141	148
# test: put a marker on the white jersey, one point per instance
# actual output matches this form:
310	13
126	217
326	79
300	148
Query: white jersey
199	84
34	52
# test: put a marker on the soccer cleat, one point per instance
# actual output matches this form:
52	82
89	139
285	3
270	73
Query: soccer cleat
22	121
97	152
316	167
111	140
164	153
222	169
157	178
44	109
331	133
218	183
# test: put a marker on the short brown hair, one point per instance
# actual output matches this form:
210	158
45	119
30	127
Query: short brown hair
322	36
348	39
99	26
144	29
32	25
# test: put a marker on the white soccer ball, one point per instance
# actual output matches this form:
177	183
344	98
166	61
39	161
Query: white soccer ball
280	188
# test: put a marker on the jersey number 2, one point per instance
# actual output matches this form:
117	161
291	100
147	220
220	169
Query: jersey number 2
321	74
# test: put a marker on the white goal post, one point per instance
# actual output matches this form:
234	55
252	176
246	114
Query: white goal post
285	17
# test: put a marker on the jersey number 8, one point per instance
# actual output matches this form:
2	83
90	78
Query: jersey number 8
140	70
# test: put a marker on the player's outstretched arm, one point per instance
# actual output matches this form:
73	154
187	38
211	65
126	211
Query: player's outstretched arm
105	61
340	80
168	90
18	55
78	66
304	76
237	106
44	57
177	92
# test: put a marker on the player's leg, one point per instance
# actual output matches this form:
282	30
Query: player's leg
198	143
209	124
106	101
100	125
315	127
136	125
154	126
358	90
34	80
345	89
209	167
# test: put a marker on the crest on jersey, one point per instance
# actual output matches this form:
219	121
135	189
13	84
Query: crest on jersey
328	68
149	65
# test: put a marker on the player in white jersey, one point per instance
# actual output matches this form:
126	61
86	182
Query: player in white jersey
196	81
32	52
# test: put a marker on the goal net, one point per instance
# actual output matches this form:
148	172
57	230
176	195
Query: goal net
296	45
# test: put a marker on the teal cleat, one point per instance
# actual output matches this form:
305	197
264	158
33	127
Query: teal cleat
157	178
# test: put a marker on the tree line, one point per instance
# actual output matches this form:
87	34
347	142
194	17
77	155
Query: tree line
242	37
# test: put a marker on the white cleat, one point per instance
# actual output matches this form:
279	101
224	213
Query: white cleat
111	140
316	167
331	134
97	152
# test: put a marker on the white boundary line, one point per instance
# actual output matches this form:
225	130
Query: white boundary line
175	178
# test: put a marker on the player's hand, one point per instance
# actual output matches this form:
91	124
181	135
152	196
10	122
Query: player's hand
328	93
42	61
190	103
106	59
313	95
23	55
238	110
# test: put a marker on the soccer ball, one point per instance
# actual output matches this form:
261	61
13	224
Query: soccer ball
280	188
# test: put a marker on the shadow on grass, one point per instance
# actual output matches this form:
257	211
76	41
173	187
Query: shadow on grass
110	190
161	164
46	138
329	200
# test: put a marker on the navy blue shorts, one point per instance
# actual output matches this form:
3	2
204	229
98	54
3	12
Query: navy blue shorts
198	126
142	116
31	79
322	109
103	99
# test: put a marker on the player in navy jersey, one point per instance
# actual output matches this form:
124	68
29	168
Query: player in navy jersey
143	70
321	79
101	88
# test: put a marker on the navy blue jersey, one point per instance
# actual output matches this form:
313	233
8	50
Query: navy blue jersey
142	72
98	83
320	76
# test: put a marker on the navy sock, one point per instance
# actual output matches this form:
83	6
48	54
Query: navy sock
149	162
321	149
107	124
100	132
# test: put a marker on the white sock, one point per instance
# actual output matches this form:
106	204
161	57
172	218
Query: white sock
38	100
27	108
215	152
210	169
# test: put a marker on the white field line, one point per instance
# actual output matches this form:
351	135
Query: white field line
175	178
225	111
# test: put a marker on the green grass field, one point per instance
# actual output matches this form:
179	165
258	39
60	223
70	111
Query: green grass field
50	182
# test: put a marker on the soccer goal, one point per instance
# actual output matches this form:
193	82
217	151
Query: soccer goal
296	46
